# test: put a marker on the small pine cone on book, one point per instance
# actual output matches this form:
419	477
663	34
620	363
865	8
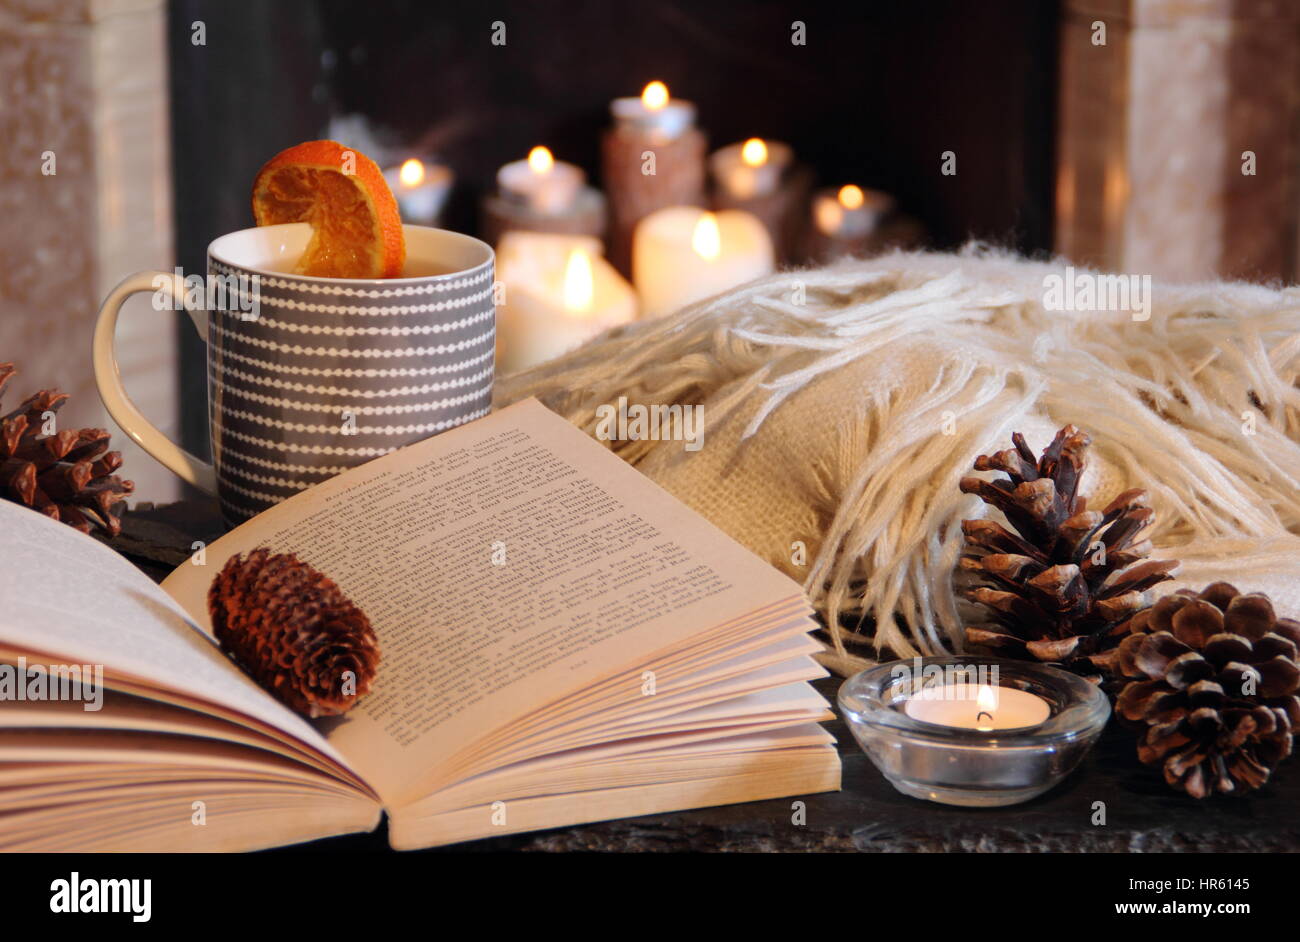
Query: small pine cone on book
68	474
1063	581
292	630
1214	688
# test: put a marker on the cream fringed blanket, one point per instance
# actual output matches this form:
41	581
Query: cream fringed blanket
842	424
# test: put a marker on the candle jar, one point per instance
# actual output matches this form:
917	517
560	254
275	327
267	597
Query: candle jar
653	157
542	194
955	765
421	188
584	216
776	192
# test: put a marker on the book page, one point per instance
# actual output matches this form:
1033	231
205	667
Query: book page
66	596
503	564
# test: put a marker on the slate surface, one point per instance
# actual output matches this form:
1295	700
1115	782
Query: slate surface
1142	813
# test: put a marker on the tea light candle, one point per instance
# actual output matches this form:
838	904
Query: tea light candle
682	254
849	212
1011	735
752	169
982	707
846	221
547	186
559	293
655	113
421	190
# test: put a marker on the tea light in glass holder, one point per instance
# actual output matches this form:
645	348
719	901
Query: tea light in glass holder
750	170
973	731
548	186
656	114
761	177
421	190
849	212
542	194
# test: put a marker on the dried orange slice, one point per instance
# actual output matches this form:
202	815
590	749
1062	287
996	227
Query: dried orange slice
356	226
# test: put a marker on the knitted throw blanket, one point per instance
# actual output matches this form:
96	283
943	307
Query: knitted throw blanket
841	406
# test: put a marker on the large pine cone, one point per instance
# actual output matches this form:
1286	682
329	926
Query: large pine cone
293	631
1216	688
1063	585
68	475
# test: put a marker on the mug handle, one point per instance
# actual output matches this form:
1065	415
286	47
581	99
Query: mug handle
109	378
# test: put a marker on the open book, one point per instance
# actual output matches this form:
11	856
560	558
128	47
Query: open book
562	641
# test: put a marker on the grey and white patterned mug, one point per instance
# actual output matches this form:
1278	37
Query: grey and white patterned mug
310	376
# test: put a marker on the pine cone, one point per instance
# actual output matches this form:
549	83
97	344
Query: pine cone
68	475
294	632
1063	586
1216	687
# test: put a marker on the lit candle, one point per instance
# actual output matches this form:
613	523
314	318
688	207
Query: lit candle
421	190
548	186
970	730
656	112
849	212
653	157
752	169
559	293
981	707
682	254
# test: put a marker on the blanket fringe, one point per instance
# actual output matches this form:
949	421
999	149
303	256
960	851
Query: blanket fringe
1199	404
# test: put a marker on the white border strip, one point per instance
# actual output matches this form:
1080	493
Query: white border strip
342	352
224	376
355	410
328	471
336	450
275	301
349	373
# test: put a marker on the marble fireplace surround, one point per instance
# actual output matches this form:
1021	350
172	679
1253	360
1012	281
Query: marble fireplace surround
86	81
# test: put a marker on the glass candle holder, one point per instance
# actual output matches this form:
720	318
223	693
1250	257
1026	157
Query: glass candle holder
973	767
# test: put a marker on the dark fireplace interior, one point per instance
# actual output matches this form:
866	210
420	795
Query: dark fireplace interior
875	97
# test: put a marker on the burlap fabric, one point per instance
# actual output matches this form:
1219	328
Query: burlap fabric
842	405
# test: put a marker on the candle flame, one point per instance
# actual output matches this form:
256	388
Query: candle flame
412	173
540	160
851	197
754	152
579	283
707	240
987	700
655	95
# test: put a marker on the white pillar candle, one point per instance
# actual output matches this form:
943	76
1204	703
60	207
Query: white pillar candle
981	707
559	293
752	169
683	254
547	185
421	190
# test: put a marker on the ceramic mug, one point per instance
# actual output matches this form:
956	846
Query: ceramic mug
308	377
